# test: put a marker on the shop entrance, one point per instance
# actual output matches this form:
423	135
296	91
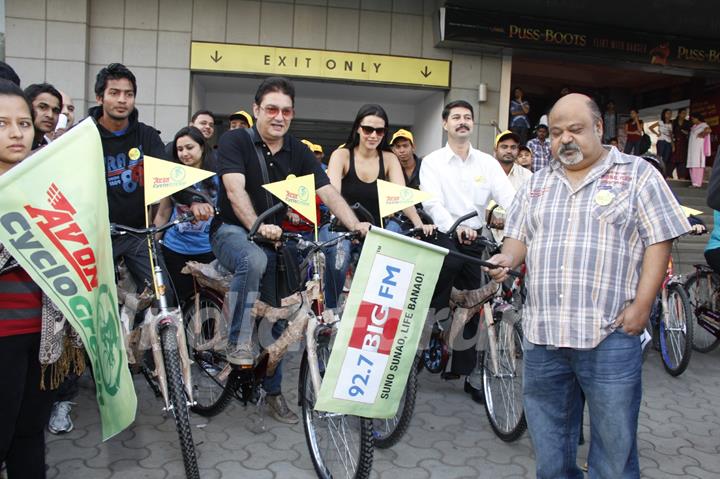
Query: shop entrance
628	87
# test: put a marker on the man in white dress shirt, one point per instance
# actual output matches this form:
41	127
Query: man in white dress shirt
461	179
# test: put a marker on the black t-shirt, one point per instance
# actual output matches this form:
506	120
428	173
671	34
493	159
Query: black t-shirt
236	153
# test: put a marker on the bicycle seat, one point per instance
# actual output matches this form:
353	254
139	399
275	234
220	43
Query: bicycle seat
703	268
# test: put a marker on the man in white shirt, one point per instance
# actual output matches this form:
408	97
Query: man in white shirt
461	179
507	147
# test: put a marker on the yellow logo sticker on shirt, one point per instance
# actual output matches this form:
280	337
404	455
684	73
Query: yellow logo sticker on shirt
134	154
479	179
604	197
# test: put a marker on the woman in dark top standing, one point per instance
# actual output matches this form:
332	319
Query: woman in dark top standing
681	133
634	130
354	171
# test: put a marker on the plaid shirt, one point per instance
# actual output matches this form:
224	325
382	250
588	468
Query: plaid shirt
540	152
586	245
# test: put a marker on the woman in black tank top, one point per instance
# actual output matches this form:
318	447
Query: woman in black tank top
354	171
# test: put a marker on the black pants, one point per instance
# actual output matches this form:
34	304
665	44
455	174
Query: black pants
183	283
24	408
712	256
462	274
134	250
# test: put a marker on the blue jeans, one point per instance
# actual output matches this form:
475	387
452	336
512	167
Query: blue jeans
272	384
610	376
247	262
337	261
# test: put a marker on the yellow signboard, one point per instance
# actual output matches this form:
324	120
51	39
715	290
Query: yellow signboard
225	57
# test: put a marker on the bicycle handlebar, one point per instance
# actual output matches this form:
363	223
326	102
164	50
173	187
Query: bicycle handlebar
464	217
364	215
259	220
118	229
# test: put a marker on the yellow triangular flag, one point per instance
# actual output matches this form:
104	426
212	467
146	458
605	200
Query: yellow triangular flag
298	192
690	211
394	197
163	178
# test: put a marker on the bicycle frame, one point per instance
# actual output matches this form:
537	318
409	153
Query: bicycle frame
152	324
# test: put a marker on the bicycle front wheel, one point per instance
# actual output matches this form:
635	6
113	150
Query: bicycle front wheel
703	289
341	446
388	432
676	331
502	383
178	399
210	371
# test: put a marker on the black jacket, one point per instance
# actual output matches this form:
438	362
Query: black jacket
124	163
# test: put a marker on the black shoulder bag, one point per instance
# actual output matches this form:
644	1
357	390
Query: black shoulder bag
287	273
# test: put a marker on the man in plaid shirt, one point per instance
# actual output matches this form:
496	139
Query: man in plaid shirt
595	229
540	148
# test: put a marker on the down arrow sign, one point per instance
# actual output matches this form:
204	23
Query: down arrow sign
216	58
426	73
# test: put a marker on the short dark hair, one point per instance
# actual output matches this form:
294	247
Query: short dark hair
32	91
114	71
275	84
201	112
10	88
8	73
614	138
697	115
457	104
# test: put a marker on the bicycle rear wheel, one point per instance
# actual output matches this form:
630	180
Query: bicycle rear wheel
388	432
703	289
503	385
178	399
341	446
210	371
676	331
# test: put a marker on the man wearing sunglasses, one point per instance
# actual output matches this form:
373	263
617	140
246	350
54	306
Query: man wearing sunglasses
248	159
461	180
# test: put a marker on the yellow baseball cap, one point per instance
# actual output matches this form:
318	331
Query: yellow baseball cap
308	143
402	133
505	135
244	115
317	148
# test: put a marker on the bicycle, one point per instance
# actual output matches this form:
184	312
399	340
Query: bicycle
703	289
670	320
163	333
339	445
501	361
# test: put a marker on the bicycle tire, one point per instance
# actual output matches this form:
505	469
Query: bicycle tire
178	399
676	338
703	340
435	356
316	424
504	406
212	383
388	432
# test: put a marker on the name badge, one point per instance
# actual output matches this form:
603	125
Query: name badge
604	197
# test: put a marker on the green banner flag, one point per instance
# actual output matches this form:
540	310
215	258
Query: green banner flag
381	326
54	222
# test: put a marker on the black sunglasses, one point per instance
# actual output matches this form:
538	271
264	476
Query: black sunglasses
369	129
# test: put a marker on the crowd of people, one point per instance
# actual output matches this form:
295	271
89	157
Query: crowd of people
683	142
593	225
